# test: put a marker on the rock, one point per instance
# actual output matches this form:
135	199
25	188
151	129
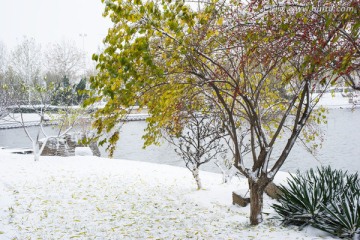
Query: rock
239	200
273	191
55	147
65	146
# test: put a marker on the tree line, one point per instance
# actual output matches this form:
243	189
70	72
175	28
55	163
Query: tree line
30	75
50	83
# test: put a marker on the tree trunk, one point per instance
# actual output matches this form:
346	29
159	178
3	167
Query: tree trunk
256	200
95	149
195	173
36	150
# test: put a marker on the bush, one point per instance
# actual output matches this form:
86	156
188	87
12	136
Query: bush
324	198
342	217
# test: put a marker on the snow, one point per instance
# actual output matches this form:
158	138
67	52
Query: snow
27	117
335	100
83	151
97	198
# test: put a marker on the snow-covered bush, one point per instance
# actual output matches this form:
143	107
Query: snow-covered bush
324	198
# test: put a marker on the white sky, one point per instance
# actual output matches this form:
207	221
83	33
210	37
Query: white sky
51	21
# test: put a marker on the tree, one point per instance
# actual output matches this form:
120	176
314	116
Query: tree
258	70
29	92
4	100
24	88
198	142
3	60
64	65
64	59
336	23
26	60
65	117
63	93
80	89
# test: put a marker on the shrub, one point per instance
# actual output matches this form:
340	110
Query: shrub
342	217
324	198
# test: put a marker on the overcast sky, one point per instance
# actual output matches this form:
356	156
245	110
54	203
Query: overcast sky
50	21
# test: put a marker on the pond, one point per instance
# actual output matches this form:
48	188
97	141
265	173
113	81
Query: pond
341	147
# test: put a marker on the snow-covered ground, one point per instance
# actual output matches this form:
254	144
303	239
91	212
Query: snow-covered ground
335	100
99	198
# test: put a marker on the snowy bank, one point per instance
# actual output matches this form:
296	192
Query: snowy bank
335	100
98	198
17	120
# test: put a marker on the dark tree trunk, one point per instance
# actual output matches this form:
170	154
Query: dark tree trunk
257	190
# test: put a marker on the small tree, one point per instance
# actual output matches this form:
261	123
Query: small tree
63	94
227	169
41	95
198	142
80	89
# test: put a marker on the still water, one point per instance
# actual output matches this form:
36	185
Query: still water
340	149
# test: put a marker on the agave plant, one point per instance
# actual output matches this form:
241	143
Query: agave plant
342	216
302	201
352	184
